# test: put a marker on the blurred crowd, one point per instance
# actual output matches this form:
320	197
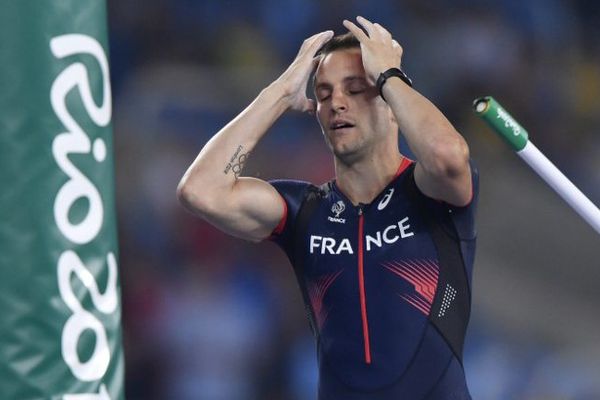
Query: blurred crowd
210	317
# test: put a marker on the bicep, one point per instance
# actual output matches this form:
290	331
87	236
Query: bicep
250	211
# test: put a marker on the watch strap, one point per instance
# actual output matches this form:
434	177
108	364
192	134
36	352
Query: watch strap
384	76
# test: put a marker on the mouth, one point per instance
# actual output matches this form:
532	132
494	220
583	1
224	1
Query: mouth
339	125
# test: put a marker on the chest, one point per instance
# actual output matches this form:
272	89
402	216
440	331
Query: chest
340	234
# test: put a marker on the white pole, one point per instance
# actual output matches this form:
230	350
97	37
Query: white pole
561	184
517	137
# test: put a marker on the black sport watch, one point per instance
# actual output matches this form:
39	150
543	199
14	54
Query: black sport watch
383	77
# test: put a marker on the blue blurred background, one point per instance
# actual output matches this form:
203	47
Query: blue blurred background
211	317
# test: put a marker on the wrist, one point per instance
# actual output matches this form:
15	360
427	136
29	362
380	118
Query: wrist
277	94
391	73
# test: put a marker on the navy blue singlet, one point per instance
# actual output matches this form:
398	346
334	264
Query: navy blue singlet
387	298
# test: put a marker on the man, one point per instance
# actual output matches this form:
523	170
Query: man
383	254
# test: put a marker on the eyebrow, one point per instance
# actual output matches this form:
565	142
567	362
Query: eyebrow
347	79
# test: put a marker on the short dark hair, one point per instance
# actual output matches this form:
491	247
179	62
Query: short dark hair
339	42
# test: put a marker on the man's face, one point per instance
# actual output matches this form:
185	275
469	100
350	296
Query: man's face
349	109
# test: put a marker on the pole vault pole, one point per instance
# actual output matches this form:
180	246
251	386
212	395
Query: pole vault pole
516	136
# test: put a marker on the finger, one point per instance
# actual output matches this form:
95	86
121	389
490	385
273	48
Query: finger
384	33
311	45
319	41
396	46
316	36
322	37
315	63
316	60
316	40
325	35
310	106
356	31
369	27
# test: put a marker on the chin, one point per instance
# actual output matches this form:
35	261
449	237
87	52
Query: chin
346	149
346	153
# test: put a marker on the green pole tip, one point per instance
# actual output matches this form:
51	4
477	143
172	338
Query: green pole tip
488	109
481	105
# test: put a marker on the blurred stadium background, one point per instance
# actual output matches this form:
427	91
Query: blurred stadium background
211	317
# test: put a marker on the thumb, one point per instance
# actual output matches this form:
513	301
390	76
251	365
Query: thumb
309	106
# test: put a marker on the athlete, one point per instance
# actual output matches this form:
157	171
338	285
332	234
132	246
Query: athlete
383	253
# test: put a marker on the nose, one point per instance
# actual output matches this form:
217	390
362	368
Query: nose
339	101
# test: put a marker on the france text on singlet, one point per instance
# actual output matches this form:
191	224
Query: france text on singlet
386	286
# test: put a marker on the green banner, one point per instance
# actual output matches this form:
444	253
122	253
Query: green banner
60	312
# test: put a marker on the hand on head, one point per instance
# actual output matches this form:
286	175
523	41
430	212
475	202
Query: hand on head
379	53
379	50
295	78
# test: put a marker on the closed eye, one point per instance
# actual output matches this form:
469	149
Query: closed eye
356	86
323	93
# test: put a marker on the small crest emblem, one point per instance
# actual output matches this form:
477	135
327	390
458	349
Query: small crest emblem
338	208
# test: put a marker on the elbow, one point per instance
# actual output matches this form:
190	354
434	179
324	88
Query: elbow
189	197
450	156
184	193
205	202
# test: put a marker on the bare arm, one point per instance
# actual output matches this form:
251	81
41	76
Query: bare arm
212	187
442	171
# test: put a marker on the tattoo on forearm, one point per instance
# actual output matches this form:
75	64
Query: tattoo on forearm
237	162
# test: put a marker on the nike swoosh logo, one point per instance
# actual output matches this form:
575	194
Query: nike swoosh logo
386	199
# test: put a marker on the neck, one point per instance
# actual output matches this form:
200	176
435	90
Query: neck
362	180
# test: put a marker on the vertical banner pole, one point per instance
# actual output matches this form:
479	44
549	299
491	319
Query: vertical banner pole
60	312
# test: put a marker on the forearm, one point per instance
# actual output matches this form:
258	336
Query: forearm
436	144
443	170
217	167
248	208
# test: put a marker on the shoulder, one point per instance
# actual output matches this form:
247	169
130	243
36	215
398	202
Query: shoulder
293	194
290	187
410	185
463	218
